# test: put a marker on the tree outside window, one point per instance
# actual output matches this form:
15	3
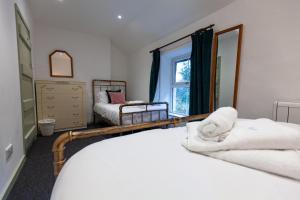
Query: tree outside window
181	87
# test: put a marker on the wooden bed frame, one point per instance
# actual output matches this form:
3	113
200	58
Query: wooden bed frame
60	143
144	116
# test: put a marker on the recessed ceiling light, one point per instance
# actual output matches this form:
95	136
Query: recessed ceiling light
120	17
60	1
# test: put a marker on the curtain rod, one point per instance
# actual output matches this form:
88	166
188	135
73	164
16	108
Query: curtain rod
202	29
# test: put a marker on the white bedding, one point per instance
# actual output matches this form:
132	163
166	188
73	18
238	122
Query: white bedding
152	165
111	111
260	144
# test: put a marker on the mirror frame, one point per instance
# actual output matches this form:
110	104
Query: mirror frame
214	64
50	63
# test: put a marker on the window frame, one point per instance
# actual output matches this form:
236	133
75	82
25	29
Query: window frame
175	84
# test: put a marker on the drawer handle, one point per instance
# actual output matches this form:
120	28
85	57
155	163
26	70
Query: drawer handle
51	116
75	106
75	114
75	89
75	97
50	107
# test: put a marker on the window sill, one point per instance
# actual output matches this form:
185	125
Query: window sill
177	115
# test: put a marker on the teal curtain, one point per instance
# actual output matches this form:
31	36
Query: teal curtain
154	74
200	72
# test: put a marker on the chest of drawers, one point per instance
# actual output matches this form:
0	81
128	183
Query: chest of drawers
63	101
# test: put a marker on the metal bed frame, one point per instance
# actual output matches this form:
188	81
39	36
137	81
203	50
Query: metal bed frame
146	115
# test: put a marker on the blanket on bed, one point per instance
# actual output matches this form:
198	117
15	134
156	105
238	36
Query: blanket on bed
260	144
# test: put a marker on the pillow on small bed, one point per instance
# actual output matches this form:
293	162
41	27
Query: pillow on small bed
102	97
117	97
108	95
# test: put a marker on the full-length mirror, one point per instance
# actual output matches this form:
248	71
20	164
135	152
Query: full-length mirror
61	64
225	67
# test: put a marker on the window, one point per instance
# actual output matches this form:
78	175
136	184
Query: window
181	86
174	79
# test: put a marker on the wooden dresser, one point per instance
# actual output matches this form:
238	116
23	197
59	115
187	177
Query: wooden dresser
63	101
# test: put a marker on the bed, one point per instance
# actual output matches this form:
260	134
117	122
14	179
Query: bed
133	112
153	165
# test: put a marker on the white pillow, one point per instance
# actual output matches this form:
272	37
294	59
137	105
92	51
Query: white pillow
102	97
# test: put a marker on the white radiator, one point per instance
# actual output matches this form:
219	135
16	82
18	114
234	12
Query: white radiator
286	112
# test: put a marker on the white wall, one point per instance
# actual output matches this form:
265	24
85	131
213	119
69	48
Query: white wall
165	79
119	64
270	54
91	56
10	107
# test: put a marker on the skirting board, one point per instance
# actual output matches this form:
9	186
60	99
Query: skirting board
12	180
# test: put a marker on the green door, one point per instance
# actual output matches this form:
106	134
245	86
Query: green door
26	81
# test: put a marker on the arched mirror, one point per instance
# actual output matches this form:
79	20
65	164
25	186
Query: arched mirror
225	67
61	64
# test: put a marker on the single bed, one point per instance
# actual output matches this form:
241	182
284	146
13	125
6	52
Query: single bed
154	165
133	112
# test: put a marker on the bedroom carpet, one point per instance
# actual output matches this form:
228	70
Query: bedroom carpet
36	179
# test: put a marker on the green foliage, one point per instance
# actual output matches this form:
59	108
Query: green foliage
182	100
186	71
183	93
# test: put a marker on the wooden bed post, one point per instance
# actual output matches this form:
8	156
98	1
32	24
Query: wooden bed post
58	151
60	143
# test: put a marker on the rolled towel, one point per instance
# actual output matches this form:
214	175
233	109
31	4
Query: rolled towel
209	128
215	126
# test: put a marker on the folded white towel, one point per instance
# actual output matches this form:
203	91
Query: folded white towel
281	162
260	144
216	125
259	134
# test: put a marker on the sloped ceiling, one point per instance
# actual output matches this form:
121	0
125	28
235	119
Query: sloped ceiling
144	22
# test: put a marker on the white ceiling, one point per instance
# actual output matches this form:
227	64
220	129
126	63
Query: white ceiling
145	21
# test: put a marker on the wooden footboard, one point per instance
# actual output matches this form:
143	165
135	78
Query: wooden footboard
60	143
145	112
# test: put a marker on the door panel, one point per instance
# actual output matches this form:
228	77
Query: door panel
27	90
28	104
26	81
24	32
28	120
27	71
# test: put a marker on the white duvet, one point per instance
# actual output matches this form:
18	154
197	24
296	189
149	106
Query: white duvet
154	165
111	111
261	144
